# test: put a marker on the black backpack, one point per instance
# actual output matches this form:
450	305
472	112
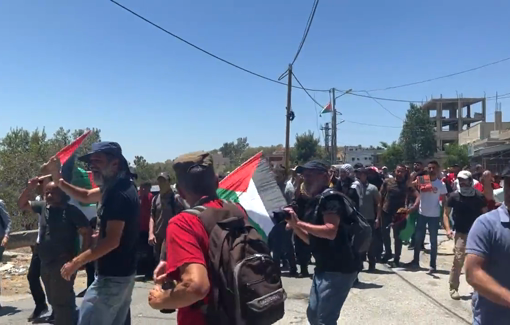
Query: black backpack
358	228
246	282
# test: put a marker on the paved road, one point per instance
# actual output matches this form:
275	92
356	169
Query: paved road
388	297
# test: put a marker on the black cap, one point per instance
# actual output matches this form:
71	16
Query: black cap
313	165
164	175
505	173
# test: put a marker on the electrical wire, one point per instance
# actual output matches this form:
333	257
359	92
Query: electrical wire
387	99
374	125
307	30
383	107
207	52
313	99
440	77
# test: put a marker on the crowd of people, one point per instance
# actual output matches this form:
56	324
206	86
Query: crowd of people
160	236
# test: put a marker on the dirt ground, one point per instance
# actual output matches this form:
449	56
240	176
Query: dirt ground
14	269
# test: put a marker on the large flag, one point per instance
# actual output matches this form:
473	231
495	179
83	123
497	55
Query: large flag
253	186
65	153
327	109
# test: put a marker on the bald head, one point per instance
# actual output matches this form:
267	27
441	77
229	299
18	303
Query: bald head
53	194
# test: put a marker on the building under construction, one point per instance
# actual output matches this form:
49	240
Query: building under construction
453	115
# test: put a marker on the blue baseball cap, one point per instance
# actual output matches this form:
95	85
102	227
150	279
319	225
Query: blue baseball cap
107	147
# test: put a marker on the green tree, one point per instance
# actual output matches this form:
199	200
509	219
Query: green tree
307	148
234	151
417	137
21	155
456	154
146	172
393	154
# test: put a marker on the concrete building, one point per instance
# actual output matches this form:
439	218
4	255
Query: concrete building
453	115
359	154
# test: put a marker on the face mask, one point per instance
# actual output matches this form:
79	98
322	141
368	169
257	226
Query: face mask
467	191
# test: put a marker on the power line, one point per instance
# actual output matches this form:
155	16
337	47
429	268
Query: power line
374	125
440	77
307	30
312	98
207	52
387	99
382	106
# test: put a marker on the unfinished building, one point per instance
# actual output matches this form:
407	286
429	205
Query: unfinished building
453	115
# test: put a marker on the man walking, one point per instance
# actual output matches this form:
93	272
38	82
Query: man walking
395	194
488	262
147	263
108	299
164	207
336	265
467	204
429	215
57	245
369	201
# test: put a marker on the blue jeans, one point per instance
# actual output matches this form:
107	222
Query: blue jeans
107	301
421	227
327	296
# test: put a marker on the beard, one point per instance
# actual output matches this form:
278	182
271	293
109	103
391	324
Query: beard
102	177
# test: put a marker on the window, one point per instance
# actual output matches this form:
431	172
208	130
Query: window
365	158
353	159
369	158
358	158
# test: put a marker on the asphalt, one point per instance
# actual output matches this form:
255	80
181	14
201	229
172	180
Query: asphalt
389	296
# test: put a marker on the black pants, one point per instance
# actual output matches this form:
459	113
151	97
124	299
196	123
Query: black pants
387	219
283	245
147	261
303	254
60	292
33	277
375	250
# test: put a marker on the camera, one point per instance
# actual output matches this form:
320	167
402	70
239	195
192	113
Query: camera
281	216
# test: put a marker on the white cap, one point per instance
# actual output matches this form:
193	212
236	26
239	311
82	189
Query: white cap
464	174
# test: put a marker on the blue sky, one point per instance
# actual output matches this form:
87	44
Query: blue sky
89	63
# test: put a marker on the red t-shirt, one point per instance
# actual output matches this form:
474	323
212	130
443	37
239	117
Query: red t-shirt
187	242
145	211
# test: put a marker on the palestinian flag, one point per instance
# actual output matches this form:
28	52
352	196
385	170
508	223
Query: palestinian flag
253	186
67	152
327	109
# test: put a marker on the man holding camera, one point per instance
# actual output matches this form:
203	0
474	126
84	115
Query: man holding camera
322	228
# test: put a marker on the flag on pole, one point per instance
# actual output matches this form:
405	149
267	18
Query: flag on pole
65	153
327	109
253	186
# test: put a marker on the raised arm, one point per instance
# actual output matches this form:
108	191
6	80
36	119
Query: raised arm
24	198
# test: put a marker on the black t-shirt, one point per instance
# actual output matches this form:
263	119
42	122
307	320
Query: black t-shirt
466	209
120	203
332	255
59	233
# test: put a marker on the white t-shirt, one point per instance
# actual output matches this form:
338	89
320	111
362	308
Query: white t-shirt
429	201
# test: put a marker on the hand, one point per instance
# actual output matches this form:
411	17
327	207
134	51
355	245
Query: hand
54	164
5	241
159	275
32	183
449	234
377	223
69	269
152	240
156	297
293	217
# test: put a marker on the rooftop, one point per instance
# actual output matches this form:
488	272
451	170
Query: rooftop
451	103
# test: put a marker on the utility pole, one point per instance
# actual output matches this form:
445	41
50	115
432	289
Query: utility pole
288	119
326	130
333	128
